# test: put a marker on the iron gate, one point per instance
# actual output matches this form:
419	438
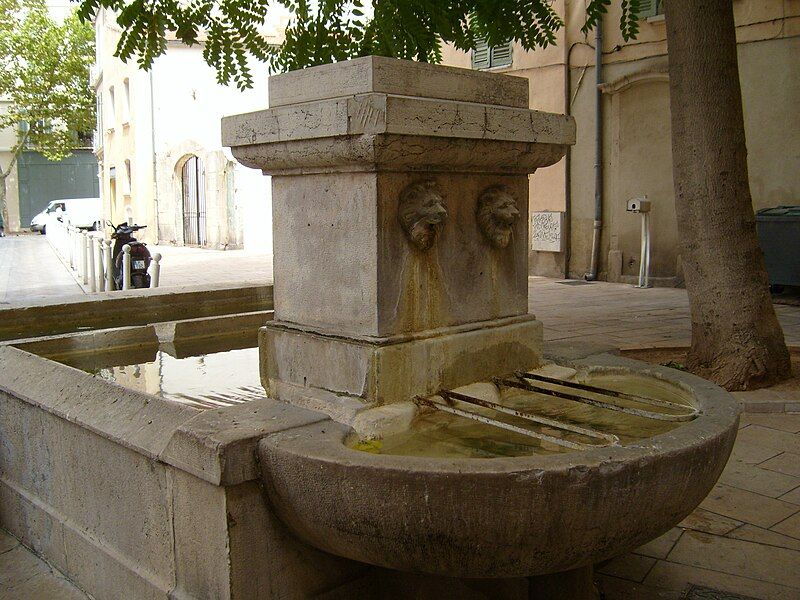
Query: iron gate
193	181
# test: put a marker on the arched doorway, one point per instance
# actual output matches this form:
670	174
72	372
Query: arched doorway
193	184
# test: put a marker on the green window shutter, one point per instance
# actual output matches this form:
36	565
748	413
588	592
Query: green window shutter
480	55
648	8
501	55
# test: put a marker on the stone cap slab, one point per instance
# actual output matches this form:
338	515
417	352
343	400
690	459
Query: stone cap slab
384	114
398	77
219	446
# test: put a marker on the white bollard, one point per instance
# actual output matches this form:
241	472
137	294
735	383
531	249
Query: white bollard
155	273
90	266
71	247
97	246
84	271
126	267
109	267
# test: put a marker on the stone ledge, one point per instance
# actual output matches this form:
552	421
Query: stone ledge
219	446
402	77
377	114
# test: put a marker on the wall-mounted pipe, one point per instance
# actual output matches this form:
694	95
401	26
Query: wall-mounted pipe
598	152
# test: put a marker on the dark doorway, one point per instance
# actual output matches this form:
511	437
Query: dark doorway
193	182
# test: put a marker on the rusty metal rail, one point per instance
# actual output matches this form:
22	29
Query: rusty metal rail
422	401
526	381
529	416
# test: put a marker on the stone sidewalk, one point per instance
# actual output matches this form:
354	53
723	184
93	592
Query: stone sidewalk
31	270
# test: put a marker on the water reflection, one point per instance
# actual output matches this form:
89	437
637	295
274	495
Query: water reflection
204	375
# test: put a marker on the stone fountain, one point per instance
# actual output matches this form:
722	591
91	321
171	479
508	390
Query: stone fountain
400	215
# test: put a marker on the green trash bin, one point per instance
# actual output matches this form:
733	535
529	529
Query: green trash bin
779	234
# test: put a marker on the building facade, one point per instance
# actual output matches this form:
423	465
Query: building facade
161	159
635	131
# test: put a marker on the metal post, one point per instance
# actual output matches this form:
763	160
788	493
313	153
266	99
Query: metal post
155	273
644	260
97	247
126	267
90	265
84	258
109	266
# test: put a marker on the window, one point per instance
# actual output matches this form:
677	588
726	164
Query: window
488	57
126	101
112	108
127	183
98	136
650	8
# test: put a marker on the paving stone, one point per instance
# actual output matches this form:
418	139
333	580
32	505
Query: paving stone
632	567
793	496
661	546
751	533
781	441
614	588
790	527
704	520
7	541
751	453
760	401
737	557
787	463
759	480
747	506
25	576
783	422
678	577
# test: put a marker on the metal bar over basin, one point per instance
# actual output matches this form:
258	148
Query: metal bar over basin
524	382
528	416
499	424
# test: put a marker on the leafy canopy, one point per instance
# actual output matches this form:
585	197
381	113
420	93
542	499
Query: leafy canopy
44	77
325	31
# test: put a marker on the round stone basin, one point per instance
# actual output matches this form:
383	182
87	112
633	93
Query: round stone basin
543	512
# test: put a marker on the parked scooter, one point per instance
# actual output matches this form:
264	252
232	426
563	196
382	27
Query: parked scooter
140	256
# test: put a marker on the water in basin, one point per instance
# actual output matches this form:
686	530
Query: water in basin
438	434
199	374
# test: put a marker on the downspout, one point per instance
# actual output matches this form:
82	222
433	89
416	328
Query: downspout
598	151
153	148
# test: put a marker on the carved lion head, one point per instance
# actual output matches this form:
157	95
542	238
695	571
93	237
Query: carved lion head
497	212
421	213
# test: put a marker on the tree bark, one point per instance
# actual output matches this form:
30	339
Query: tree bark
737	341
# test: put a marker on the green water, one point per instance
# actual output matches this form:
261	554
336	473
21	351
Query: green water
437	434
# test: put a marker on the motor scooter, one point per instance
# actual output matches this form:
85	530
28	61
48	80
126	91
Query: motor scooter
140	256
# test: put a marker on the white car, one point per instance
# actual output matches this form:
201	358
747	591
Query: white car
39	222
85	213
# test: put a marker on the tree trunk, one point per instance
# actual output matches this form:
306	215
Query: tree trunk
737	341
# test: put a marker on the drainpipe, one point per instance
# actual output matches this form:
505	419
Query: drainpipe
153	148
598	151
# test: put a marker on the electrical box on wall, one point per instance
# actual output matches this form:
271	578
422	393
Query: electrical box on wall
638	205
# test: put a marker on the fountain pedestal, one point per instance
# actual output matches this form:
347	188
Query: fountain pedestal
400	216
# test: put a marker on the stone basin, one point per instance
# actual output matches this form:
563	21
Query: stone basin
498	517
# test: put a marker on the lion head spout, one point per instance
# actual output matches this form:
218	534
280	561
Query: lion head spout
496	214
421	213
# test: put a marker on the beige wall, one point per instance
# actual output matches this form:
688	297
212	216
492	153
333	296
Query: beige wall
636	124
157	137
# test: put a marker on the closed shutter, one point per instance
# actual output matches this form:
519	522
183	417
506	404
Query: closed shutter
501	55
480	55
648	8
